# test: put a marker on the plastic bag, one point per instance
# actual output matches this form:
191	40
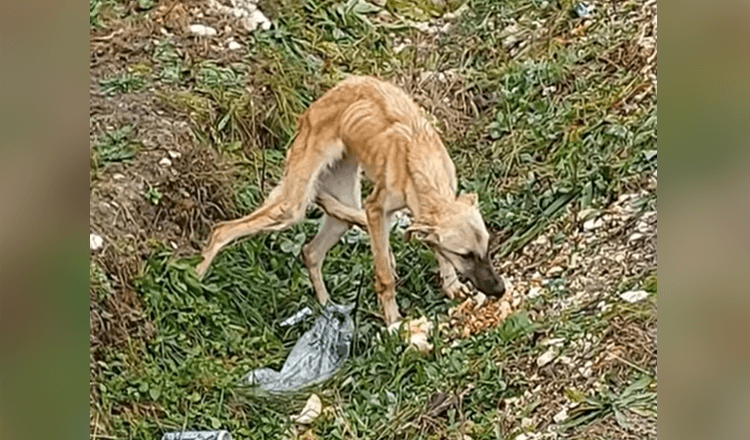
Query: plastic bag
315	356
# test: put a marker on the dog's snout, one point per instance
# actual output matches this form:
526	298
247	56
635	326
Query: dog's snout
487	281
498	289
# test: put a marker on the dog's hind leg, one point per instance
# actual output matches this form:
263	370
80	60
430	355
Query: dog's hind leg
274	215
284	207
340	184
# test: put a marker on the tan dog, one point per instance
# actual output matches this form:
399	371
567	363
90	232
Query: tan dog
371	124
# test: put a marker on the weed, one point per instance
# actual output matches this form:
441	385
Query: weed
122	83
115	145
153	195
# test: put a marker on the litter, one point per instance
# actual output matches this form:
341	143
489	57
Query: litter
310	412
315	356
197	435
297	317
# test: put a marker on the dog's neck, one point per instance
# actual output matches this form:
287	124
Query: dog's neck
430	197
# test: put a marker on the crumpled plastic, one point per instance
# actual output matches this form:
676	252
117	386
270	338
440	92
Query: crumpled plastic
315	356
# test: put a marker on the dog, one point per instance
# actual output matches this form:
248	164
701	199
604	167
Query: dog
367	124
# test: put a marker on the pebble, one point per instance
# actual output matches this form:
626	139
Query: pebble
634	296
174	154
546	358
534	292
201	30
165	162
95	242
233	45
635	236
594	223
561	416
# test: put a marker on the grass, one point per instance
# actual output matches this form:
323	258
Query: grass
116	145
553	132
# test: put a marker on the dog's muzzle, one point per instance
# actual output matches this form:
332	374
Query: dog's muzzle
484	278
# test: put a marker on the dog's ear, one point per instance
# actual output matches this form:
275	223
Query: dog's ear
426	233
468	199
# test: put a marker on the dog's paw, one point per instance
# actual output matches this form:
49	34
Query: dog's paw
456	289
202	268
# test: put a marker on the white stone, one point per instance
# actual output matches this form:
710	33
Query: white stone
174	154
635	236
233	45
165	162
546	358
634	296
118	176
479	299
95	242
592	224
202	30
534	292
561	416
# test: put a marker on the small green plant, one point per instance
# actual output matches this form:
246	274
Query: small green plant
153	195
122	83
116	145
636	397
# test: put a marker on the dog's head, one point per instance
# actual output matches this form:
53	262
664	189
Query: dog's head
460	236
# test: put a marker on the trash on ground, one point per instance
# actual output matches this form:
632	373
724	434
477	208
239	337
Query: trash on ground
581	10
197	435
315	356
634	296
310	412
419	330
297	317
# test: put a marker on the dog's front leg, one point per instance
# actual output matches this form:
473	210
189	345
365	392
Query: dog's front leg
451	285
385	281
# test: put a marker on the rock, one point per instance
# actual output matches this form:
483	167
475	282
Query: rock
174	154
165	162
233	45
555	271
257	20
635	236
546	358
534	292
202	30
118	176
479	299
634	296
594	223
522	437
554	342
505	310
561	416
95	242
310	412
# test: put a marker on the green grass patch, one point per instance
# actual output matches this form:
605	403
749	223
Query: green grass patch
116	145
